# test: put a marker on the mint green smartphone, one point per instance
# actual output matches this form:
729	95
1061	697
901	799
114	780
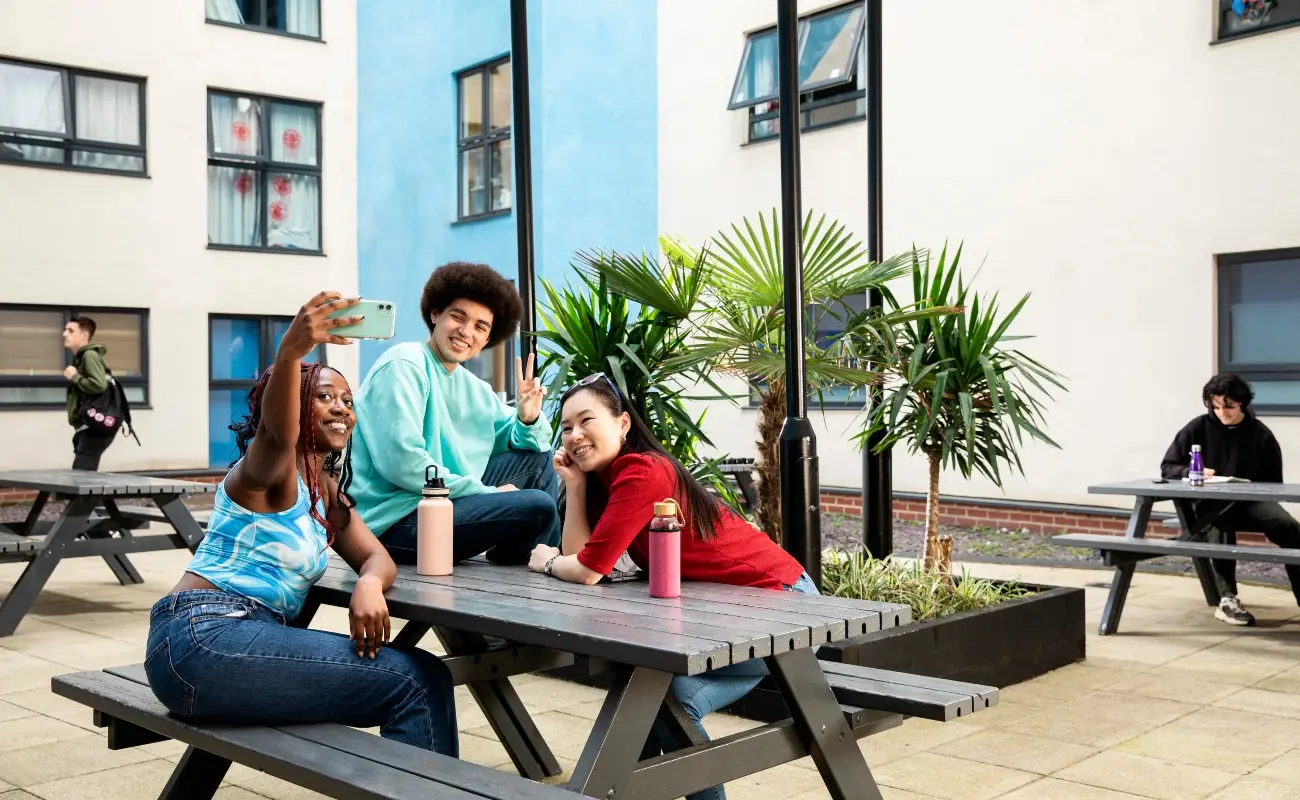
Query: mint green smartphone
380	320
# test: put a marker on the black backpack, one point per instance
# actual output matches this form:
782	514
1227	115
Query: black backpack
108	412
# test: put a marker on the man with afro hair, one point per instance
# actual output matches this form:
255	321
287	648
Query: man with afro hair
419	407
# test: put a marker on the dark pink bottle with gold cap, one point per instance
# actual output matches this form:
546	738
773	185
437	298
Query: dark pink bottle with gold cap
666	551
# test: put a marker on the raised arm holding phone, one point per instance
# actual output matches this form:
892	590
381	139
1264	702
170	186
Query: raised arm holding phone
220	648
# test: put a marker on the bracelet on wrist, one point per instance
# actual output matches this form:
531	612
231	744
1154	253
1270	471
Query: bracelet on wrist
550	563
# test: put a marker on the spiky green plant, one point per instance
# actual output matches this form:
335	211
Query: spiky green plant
958	393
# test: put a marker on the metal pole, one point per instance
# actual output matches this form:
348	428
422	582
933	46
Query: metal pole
800	493
521	135
877	467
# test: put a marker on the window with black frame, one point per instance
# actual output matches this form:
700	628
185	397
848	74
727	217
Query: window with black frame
484	162
292	17
240	348
1239	18
71	119
832	66
827	324
1259	324
264	173
33	357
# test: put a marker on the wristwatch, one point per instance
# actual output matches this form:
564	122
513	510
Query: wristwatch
549	563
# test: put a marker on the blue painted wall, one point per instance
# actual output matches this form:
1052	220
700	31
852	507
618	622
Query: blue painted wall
593	66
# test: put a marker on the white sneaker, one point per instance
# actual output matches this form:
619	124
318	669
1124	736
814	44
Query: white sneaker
1231	612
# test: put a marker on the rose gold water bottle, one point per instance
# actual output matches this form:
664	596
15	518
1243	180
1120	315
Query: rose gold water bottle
433	527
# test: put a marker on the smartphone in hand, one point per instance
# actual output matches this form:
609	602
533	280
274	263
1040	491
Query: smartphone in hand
380	320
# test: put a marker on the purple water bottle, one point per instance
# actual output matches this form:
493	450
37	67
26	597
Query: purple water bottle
1196	473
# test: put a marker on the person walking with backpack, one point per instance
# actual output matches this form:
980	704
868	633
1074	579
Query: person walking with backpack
87	377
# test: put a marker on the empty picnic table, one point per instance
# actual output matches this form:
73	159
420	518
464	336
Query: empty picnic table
1124	553
647	641
91	524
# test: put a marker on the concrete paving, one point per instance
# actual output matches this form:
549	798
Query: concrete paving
1176	707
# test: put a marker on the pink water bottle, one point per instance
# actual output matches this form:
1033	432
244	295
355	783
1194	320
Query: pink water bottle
433	527
666	551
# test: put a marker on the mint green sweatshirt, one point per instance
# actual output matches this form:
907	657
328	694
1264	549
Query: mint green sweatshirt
412	412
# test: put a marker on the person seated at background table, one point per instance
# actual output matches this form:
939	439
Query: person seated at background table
614	470
220	647
1234	443
420	406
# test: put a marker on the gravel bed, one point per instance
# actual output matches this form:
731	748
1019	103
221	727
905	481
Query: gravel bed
1010	546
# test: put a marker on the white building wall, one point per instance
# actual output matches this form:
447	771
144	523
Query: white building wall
1093	156
92	239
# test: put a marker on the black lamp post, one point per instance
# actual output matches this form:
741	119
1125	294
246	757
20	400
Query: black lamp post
800	493
521	136
877	468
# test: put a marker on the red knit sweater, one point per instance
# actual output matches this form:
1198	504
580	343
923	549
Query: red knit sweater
739	554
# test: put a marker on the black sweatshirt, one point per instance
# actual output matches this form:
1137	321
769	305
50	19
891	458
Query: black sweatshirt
1246	450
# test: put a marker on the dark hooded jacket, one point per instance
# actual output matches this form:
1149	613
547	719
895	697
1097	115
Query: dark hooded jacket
1245	450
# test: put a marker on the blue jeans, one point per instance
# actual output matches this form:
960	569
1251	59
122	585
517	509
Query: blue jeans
217	657
505	525
701	695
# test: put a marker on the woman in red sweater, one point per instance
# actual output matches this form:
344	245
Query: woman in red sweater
614	470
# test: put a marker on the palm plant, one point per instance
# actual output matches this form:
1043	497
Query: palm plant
957	393
588	329
728	296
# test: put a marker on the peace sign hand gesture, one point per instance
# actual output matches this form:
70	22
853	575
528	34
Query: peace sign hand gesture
531	392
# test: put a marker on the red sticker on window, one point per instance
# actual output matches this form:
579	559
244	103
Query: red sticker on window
279	211
243	183
240	131
292	139
282	186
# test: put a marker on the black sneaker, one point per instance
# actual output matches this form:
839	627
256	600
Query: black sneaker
1231	612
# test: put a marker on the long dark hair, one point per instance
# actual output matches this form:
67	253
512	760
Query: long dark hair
335	463
703	510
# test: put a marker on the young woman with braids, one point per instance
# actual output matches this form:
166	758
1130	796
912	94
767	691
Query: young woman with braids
614	470
220	645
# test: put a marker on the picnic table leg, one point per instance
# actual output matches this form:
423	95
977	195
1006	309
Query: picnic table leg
1138	520
121	566
500	703
309	608
410	634
181	520
197	776
821	725
38	570
34	513
617	739
1204	572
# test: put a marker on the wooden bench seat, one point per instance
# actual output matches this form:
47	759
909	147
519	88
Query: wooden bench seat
935	699
1137	548
331	759
872	699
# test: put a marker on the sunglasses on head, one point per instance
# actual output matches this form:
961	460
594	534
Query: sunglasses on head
593	378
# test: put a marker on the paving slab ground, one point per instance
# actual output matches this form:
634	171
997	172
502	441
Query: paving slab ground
1176	707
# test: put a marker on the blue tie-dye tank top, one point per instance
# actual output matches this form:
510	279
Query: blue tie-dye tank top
273	559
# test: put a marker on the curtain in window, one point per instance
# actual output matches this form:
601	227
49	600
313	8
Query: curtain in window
303	17
234	195
759	76
293	211
225	11
107	111
32	99
293	134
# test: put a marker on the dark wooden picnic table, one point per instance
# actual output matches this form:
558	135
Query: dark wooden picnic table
1124	553
92	524
645	641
